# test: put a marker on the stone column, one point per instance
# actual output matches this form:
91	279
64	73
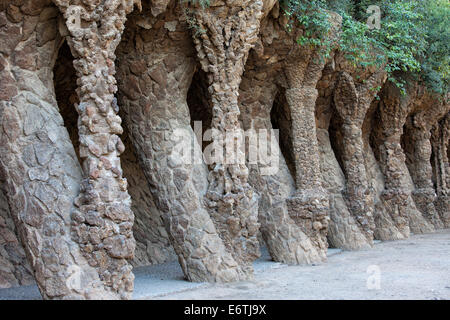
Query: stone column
419	129
446	143
385	227
37	159
344	231
103	221
424	194
262	83
155	68
440	143
14	267
285	240
352	103
226	32
393	111
308	207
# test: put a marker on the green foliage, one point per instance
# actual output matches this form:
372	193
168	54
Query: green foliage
312	17
357	46
202	3
436	62
413	38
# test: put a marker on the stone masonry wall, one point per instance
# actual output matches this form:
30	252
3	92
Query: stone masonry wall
99	102
152	244
14	267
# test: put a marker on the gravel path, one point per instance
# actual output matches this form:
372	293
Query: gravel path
417	268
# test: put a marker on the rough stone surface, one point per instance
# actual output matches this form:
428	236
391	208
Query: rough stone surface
84	200
102	223
309	206
385	228
227	31
263	103
387	131
14	267
152	243
352	101
343	229
38	162
428	109
156	67
441	167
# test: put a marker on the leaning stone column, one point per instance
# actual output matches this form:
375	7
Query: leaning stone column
226	34
343	229
153	84
446	143
262	82
285	240
352	103
14	267
308	207
440	144
102	223
393	111
385	227
419	134
37	159
424	194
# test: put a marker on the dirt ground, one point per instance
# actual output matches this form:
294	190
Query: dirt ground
416	268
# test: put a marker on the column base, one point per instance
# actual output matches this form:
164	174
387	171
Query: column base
396	202
442	205
402	209
309	210
344	231
424	199
235	216
360	202
385	227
